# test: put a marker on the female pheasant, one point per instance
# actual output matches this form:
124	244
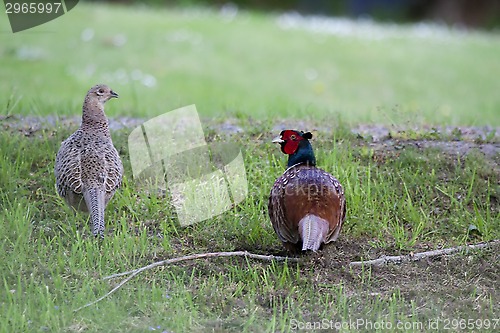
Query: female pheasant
306	205
88	168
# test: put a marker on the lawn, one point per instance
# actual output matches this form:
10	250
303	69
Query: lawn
263	66
422	185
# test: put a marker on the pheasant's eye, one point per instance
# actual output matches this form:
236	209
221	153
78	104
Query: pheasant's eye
293	137
101	91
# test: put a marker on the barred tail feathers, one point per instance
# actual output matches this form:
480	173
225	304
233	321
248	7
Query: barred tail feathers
313	231
95	200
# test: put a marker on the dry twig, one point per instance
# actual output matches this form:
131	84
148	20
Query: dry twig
135	272
384	260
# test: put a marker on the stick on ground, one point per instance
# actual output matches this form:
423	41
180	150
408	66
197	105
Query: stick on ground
384	260
179	259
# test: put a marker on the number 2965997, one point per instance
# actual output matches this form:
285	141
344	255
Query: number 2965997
33	7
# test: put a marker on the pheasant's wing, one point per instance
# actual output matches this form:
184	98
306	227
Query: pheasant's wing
338	207
68	169
277	212
114	169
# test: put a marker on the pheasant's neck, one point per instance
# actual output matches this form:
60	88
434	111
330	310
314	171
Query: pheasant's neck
304	154
93	116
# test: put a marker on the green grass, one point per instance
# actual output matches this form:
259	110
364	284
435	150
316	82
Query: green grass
250	66
398	201
401	198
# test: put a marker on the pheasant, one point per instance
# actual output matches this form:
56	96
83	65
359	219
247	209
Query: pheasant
88	168
306	205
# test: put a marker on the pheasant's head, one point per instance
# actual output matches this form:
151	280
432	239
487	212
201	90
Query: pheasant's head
297	145
101	93
93	105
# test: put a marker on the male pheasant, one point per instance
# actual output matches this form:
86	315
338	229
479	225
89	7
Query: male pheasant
88	168
306	205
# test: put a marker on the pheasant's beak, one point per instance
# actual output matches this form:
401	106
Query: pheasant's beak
278	139
113	94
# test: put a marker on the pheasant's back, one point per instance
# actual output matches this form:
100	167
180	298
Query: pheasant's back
305	190
87	160
101	164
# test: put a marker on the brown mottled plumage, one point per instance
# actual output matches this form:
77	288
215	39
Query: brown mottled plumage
306	204
88	168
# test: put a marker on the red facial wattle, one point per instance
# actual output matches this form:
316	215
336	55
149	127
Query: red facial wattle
291	141
290	147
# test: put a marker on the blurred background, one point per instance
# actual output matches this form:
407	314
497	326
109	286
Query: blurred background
375	61
466	13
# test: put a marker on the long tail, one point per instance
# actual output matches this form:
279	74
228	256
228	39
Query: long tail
94	198
313	231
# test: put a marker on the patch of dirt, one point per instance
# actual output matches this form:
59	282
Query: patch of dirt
458	148
30	125
455	141
450	279
464	284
